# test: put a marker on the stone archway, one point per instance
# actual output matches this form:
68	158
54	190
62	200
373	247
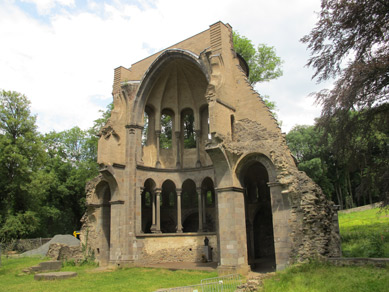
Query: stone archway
259	217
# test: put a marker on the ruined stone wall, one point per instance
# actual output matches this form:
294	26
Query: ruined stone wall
182	248
91	232
312	231
299	206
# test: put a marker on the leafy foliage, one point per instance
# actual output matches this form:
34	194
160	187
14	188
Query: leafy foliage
42	177
353	174
264	64
350	42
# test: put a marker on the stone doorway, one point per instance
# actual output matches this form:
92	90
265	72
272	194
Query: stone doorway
259	218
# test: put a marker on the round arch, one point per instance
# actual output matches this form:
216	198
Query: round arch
152	74
147	205
254	172
168	207
245	162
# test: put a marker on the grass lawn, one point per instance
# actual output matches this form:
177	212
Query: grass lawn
91	279
365	233
319	277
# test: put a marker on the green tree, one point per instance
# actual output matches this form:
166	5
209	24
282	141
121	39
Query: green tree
350	43
21	157
71	162
305	143
264	64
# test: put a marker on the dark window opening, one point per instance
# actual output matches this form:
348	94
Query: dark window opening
188	129
165	140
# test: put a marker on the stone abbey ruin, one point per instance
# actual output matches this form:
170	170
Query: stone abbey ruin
191	151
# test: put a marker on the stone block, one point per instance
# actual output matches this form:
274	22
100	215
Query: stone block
54	276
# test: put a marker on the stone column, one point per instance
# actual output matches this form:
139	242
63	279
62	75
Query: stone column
158	134
179	215
158	212
232	227
178	154
200	207
140	211
198	137
153	227
204	199
281	229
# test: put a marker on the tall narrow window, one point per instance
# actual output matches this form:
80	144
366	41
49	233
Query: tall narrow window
165	140
145	129
232	118
188	129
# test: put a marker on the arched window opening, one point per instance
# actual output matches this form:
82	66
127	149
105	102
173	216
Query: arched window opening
145	128
168	207
188	129
148	126
190	206
165	140
209	202
232	118
147	204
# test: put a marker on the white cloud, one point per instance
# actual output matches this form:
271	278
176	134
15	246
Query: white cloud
65	64
45	6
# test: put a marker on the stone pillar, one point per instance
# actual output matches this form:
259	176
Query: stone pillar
158	212
204	199
178	149
153	227
200	207
198	137
179	215
158	134
140	211
232	227
281	229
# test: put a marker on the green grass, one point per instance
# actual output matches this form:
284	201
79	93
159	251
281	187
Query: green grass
320	277
365	233
91	279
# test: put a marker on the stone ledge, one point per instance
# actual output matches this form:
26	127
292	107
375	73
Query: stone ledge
174	234
55	276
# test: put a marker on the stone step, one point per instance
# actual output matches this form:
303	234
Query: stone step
44	266
54	275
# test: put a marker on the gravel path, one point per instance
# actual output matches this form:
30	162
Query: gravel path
65	239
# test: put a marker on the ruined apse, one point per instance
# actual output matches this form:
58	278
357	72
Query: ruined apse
191	151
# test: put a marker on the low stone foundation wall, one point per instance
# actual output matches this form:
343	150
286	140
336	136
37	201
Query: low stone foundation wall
377	262
361	208
167	248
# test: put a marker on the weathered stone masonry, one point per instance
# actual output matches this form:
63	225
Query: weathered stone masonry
191	151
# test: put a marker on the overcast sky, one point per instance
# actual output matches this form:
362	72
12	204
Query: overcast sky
62	53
